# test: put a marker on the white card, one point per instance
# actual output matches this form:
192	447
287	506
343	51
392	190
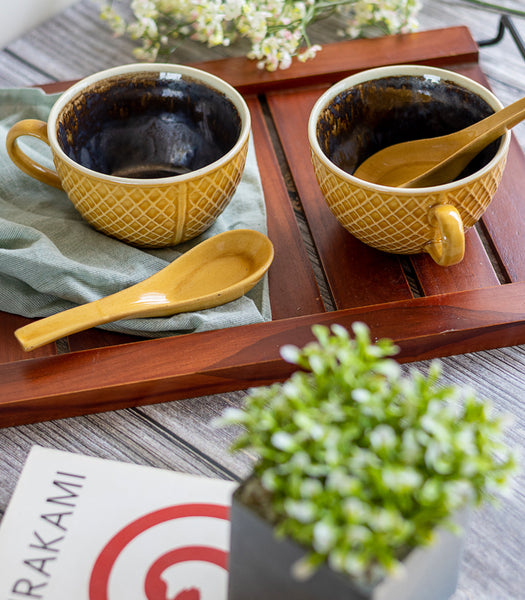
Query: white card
83	528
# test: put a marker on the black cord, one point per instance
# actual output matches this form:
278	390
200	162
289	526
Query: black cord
505	23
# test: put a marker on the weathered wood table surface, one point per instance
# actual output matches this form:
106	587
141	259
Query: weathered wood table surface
179	434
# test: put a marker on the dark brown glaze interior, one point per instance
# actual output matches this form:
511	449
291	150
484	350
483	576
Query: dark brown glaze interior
148	124
375	114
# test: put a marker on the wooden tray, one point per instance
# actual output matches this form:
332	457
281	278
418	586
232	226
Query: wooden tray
429	311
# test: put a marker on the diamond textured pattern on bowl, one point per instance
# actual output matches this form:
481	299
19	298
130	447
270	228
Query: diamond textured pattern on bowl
399	223
154	215
219	185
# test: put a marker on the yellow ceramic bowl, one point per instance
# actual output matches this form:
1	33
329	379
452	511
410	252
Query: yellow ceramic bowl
373	109
150	154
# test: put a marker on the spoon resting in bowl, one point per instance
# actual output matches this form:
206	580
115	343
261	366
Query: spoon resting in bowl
216	271
435	161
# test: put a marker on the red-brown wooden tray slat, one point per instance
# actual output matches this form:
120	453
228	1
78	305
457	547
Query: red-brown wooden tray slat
230	359
505	217
10	349
449	46
98	338
36	387
357	274
442	46
292	282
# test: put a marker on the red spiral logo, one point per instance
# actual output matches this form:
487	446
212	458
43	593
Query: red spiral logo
155	587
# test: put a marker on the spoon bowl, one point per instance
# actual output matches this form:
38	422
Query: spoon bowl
216	271
439	160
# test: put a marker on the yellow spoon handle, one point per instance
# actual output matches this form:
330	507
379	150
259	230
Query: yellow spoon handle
75	319
470	141
491	128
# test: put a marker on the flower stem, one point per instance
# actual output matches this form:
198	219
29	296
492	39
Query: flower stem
497	7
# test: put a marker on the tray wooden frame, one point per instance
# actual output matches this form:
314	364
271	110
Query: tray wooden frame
478	304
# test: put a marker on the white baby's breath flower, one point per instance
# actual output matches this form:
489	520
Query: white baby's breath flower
233	9
116	22
276	29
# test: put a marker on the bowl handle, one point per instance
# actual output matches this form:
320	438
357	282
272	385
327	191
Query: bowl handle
34	128
448	246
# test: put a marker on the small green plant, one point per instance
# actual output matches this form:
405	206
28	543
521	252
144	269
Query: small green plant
360	463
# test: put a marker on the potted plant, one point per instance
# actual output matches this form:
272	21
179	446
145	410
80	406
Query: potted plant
363	474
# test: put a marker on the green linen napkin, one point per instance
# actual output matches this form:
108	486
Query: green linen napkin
51	259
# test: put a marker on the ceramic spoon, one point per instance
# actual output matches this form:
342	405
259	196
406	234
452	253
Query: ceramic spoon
218	270
434	161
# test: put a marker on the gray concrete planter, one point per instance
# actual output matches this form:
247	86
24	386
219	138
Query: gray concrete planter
260	567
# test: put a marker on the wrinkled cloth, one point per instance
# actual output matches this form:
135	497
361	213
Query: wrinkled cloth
51	259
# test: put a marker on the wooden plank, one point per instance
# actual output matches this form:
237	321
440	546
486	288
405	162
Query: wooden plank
98	338
293	288
10	349
505	224
238	358
505	217
357	274
439	47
